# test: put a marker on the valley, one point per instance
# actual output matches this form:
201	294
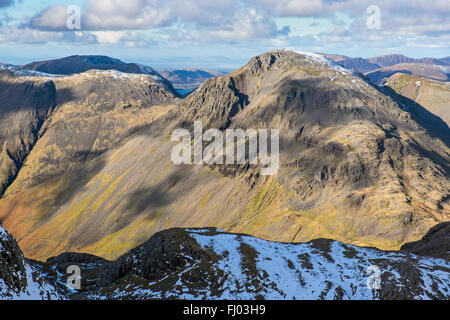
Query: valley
87	178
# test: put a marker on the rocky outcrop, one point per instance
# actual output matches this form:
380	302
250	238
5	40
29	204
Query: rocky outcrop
436	243
20	278
166	253
212	264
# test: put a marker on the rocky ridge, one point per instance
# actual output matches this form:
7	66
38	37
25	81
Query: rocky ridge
212	264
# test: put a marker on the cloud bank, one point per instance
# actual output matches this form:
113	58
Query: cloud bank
174	22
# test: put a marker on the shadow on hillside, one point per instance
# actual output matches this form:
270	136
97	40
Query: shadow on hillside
31	96
435	126
434	244
154	197
376	76
72	183
24	108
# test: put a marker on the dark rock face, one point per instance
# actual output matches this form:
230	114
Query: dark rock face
12	268
91	267
218	103
211	264
74	257
24	106
436	243
165	253
21	278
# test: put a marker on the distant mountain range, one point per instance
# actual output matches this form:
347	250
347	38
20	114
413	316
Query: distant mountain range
379	69
359	64
425	70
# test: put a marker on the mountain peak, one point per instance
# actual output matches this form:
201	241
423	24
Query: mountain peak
289	59
82	63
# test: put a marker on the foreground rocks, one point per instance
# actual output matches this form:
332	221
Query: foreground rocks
212	264
23	279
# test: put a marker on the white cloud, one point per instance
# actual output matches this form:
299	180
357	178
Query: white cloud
129	14
110	37
52	18
239	21
296	8
245	25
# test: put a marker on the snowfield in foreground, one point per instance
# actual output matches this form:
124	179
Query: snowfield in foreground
212	264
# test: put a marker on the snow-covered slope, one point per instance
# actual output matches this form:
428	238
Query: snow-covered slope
323	61
79	64
19	72
135	71
212	264
147	73
21	279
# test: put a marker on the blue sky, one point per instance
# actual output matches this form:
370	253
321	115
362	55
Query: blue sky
220	34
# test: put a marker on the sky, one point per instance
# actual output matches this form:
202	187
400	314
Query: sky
220	34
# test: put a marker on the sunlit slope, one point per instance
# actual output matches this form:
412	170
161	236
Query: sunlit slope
355	167
94	111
